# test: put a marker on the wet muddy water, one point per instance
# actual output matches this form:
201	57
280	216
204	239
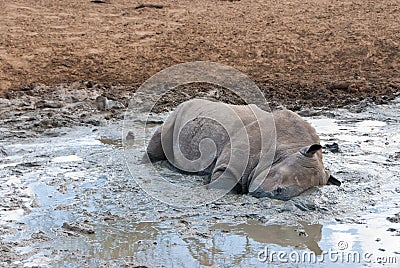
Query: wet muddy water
68	200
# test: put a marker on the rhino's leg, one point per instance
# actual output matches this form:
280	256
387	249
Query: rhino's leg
225	176
221	180
155	150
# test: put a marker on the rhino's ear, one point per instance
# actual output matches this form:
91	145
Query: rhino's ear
310	150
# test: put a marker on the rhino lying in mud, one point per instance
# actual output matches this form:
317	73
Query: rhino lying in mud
243	148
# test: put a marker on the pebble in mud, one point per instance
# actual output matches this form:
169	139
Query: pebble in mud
103	103
396	156
130	138
396	232
395	218
46	104
3	151
333	147
41	236
288	206
78	228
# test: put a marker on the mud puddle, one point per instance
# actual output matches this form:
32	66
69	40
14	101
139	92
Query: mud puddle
68	200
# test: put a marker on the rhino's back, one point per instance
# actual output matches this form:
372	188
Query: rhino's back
293	131
197	120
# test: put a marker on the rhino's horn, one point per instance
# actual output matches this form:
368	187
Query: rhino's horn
333	181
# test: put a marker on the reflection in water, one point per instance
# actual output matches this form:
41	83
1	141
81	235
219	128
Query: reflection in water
167	244
145	243
282	235
152	243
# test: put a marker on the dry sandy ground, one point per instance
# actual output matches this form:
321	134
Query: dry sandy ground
296	50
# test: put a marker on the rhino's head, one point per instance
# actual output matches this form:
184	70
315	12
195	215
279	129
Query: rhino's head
293	174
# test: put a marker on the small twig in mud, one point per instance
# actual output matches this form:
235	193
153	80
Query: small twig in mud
99	1
157	6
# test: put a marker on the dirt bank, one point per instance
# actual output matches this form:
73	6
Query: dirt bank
296	51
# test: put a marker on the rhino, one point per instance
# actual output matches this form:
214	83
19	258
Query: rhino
243	148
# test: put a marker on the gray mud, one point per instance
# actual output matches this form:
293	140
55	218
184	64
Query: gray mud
67	198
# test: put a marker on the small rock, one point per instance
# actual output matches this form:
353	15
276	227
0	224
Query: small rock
116	105
360	107
203	235
185	222
109	219
89	84
78	227
53	133
94	121
307	112
109	96
74	99
102	103
44	104
30	164
288	206
341	85
334	147
395	218
130	138
3	151
156	6
305	205
42	236
4	102
378	239
28	87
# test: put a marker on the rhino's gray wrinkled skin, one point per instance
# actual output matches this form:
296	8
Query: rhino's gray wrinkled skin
252	151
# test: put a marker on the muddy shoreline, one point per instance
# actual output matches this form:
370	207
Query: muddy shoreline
292	95
40	108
